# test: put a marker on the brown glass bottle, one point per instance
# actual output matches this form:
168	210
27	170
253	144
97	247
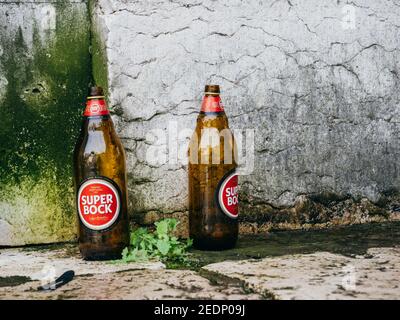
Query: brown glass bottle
213	220
100	184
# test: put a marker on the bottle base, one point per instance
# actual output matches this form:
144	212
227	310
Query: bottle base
101	255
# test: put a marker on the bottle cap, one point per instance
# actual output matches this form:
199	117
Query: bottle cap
212	89
95	92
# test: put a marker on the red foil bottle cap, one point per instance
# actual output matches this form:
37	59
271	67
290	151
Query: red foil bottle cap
96	103
96	107
212	104
212	100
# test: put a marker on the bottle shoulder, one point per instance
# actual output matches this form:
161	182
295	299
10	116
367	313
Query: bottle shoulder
212	120
99	136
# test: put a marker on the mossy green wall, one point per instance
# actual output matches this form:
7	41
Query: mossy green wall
98	49
45	69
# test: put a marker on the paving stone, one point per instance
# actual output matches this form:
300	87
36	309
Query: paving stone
36	264
19	271
320	275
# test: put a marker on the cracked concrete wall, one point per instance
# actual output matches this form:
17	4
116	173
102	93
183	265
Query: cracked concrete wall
318	80
45	68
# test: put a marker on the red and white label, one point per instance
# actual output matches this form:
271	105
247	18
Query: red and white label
98	204
212	104
96	107
228	193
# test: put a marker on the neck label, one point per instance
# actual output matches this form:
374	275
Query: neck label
96	107
212	104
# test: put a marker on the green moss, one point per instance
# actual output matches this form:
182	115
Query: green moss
41	109
98	53
36	211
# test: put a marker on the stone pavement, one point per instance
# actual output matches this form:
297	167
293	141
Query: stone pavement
22	269
322	275
349	263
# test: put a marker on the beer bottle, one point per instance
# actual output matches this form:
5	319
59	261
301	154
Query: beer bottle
100	184
213	181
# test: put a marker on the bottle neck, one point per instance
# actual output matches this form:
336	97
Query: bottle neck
212	103
96	106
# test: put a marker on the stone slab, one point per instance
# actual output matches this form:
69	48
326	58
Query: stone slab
321	275
37	264
22	271
138	284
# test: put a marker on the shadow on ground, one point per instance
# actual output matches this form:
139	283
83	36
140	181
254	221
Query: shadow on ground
347	240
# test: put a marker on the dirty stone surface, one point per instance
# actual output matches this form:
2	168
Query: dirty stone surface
320	275
344	240
318	81
36	264
133	284
358	262
22	271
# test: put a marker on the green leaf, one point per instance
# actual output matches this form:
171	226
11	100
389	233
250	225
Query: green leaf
177	251
189	243
125	254
172	224
163	247
162	227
